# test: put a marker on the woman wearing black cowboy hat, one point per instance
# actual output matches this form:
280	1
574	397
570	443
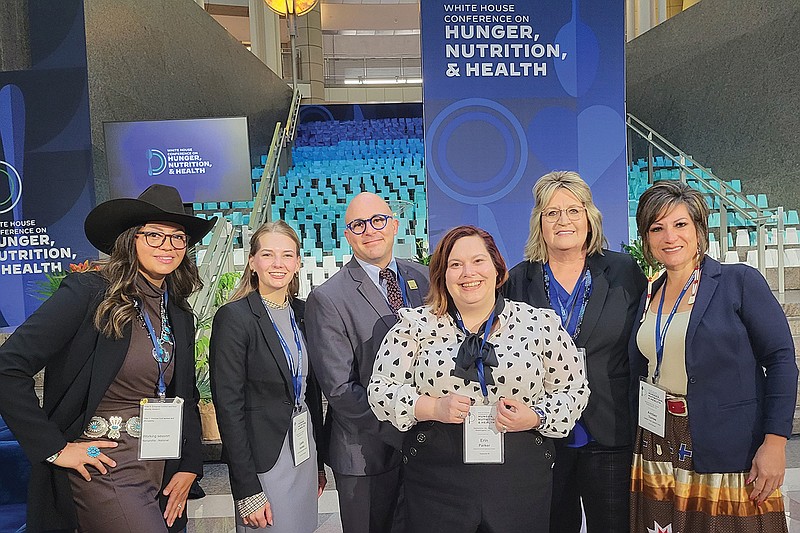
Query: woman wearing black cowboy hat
109	339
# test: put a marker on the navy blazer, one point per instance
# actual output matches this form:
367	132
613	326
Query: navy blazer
617	285
81	364
740	366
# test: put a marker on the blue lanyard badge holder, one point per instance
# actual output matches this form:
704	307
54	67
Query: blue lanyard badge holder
161	418
301	442
483	443
652	398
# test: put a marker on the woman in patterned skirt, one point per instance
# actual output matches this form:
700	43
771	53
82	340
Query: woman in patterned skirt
505	370
714	367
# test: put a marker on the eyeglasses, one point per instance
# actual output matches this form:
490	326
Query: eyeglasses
574	212
156	239
359	225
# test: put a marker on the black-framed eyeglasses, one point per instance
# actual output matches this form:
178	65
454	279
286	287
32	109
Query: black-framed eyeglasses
359	225
573	212
156	239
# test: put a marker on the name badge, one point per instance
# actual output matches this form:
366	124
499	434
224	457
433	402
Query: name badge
652	408
300	442
483	443
162	428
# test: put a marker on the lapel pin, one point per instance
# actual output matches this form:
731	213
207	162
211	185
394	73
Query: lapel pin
412	284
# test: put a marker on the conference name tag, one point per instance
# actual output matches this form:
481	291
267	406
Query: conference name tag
162	428
300	442
652	408
483	443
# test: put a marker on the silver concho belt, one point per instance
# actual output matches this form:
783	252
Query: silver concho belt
100	427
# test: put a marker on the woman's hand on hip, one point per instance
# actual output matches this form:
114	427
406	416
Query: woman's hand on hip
261	517
75	455
769	467
513	415
177	491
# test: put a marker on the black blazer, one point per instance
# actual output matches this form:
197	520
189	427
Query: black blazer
81	364
617	284
252	389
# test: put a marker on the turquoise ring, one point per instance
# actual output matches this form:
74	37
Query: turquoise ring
93	451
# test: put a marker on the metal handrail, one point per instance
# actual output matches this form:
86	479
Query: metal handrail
680	160
729	198
213	263
281	138
291	122
261	204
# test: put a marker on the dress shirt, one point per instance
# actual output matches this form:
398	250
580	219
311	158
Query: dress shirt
538	365
374	273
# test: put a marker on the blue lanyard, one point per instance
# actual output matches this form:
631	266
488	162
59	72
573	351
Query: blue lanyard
661	336
479	358
297	373
581	291
158	349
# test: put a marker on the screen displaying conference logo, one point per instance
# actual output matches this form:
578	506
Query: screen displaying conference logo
176	161
10	187
156	161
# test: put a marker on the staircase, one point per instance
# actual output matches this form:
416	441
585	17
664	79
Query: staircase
743	228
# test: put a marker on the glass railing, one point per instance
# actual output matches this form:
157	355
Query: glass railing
343	71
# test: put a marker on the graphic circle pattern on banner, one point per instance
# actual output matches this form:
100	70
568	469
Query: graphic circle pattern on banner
512	132
14	187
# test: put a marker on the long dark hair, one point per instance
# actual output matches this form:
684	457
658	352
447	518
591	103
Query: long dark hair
121	270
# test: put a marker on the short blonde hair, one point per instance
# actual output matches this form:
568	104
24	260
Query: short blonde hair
543	191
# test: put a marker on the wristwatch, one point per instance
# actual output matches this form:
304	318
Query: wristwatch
542	416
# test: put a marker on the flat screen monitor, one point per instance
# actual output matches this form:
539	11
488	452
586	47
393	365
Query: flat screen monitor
207	159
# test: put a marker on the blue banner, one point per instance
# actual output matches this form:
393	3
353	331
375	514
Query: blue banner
512	91
46	177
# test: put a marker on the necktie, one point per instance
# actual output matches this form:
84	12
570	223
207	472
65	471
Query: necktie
393	293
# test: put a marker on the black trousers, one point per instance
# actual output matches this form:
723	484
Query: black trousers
444	495
369	504
601	477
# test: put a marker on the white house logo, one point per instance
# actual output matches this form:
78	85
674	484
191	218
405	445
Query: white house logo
10	187
157	162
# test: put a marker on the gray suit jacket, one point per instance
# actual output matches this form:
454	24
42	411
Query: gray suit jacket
346	320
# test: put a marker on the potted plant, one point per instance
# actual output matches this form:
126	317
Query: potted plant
635	250
208	414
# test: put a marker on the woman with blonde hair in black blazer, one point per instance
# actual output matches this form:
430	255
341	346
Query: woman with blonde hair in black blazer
268	403
109	339
595	292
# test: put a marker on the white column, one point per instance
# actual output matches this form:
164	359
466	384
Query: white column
265	35
630	20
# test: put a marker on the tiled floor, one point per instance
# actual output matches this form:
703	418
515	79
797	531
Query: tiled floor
214	513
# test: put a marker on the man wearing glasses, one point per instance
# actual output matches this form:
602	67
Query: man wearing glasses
346	320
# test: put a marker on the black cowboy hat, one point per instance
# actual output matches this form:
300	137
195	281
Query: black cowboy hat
158	203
